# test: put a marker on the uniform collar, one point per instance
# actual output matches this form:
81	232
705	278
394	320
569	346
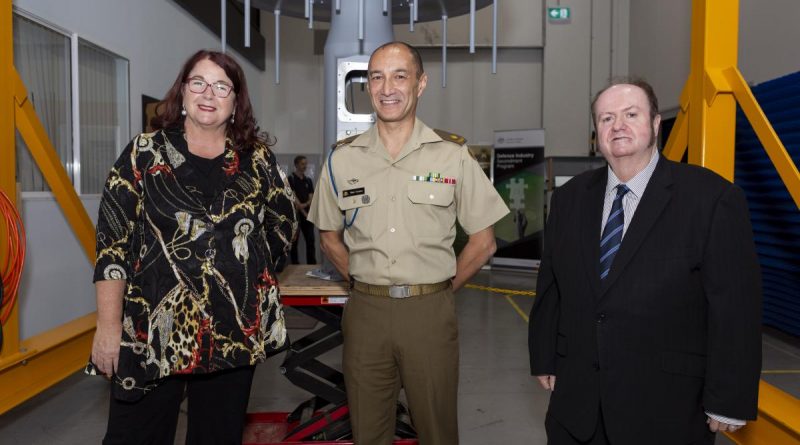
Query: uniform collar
421	134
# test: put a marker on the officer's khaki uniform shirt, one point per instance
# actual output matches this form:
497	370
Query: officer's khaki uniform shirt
404	210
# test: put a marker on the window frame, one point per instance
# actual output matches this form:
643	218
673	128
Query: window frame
75	99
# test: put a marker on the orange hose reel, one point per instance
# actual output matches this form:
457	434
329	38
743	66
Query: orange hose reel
11	270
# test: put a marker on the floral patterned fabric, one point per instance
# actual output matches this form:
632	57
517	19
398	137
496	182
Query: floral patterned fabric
201	293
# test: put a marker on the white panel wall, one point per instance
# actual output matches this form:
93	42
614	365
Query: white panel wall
293	110
768	39
476	102
519	24
660	39
56	283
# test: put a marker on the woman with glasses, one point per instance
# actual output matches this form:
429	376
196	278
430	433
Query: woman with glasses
193	219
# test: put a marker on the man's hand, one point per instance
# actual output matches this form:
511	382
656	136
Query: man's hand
717	426
548	382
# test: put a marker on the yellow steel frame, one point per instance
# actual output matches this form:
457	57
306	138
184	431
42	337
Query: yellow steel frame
706	124
32	365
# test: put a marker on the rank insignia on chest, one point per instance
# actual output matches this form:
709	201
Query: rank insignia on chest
434	177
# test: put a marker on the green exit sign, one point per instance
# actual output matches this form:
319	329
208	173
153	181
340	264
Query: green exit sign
558	14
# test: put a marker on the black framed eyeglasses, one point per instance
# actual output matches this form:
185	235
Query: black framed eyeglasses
218	89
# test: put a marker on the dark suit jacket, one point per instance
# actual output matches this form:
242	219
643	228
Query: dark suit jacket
673	331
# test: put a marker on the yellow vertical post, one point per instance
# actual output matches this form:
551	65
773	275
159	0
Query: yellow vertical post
8	176
712	113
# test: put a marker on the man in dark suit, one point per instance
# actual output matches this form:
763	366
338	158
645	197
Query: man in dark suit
646	325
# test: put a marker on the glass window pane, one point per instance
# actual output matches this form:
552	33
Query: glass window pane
42	59
103	113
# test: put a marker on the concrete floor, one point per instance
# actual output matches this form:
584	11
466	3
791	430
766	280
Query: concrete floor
499	402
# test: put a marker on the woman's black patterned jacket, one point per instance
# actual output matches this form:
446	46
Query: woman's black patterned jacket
201	293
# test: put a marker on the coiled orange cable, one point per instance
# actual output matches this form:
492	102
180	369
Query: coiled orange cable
15	258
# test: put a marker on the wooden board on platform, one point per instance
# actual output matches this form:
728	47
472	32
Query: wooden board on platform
294	282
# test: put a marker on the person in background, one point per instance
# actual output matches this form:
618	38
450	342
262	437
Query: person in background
193	217
387	219
647	321
303	193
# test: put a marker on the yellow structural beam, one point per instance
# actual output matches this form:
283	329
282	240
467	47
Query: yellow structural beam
8	179
44	360
712	117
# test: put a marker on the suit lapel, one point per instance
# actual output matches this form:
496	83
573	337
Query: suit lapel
590	216
656	196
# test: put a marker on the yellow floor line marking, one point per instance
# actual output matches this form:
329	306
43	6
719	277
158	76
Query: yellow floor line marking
781	371
498	290
517	308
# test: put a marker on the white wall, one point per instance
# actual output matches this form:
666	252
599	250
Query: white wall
519	24
56	284
293	110
476	102
579	57
660	42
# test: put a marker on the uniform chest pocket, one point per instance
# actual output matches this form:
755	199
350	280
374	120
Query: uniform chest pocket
431	193
429	210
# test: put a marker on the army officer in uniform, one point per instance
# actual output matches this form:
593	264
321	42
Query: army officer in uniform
386	206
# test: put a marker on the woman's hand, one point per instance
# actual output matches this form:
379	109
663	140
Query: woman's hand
107	337
105	347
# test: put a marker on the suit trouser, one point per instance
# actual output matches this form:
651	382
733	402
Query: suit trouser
217	408
410	342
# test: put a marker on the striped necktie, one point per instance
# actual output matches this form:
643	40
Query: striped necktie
612	233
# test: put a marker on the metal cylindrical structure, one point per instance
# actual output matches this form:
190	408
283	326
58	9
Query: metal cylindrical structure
343	42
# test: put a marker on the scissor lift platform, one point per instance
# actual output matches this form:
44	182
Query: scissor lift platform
276	429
